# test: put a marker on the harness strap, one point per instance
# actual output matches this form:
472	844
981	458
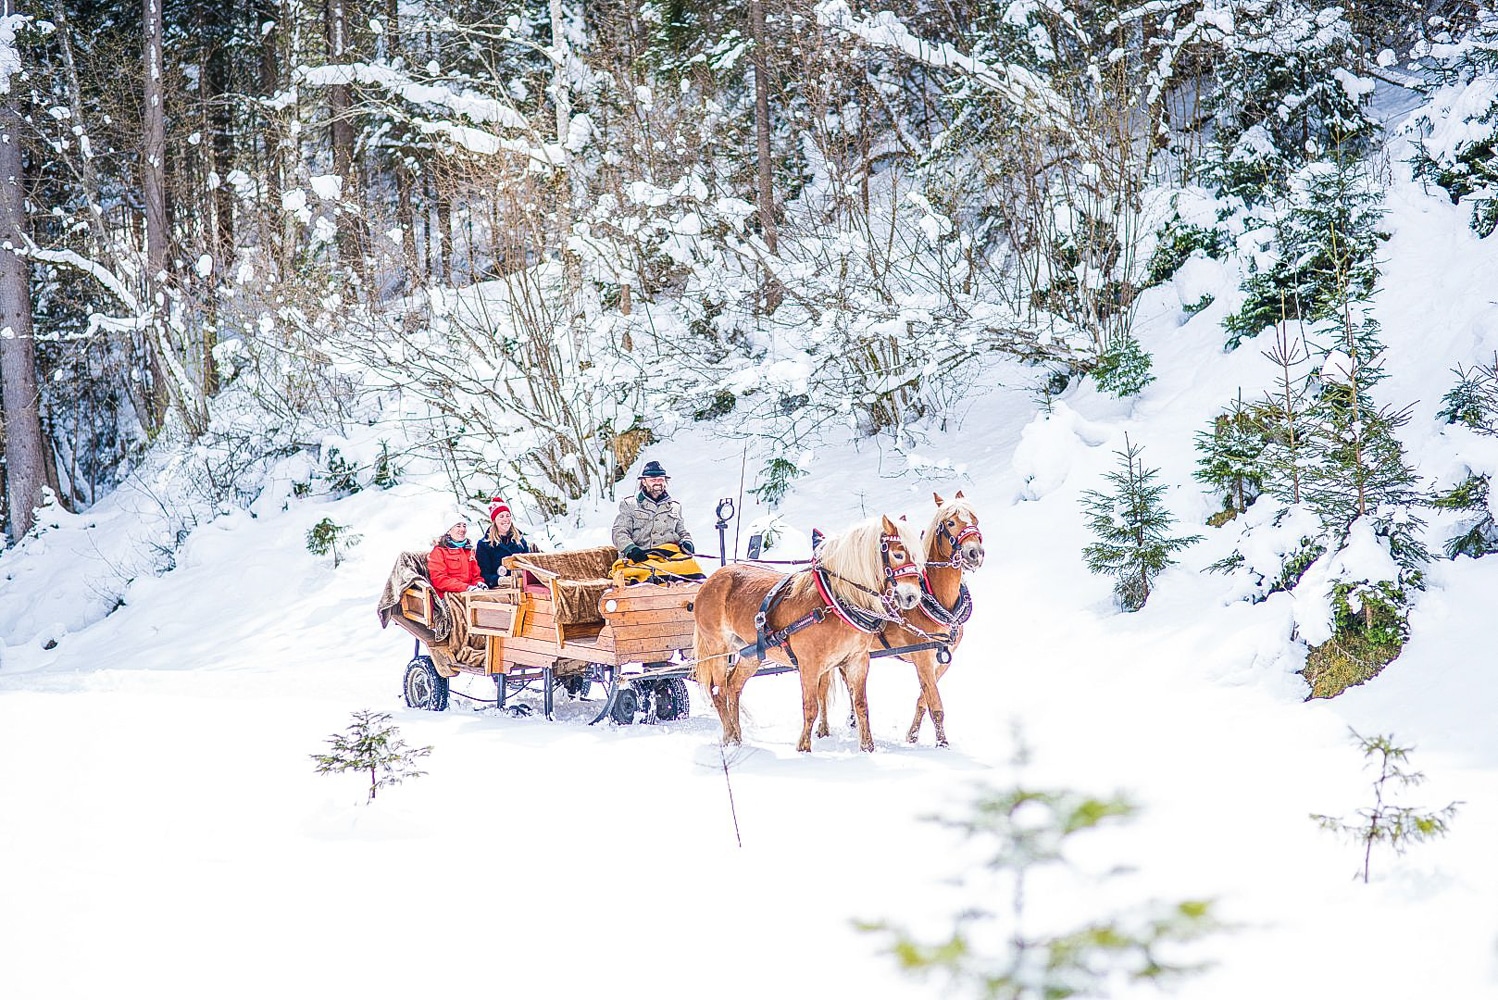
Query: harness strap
952	617
856	618
766	641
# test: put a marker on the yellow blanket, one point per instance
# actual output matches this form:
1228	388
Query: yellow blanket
664	564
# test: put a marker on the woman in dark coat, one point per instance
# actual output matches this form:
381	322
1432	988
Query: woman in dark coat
503	539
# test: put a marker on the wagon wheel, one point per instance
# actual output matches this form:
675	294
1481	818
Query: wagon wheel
626	704
424	687
671	699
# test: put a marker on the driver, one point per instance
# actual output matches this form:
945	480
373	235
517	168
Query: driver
650	518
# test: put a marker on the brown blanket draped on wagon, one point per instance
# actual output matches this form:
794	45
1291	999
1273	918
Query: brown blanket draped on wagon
576	579
441	624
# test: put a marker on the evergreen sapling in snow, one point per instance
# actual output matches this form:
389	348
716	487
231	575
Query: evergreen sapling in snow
1230	460
1385	822
998	949
372	744
326	536
1132	526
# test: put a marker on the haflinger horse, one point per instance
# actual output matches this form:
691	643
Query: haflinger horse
953	545
816	620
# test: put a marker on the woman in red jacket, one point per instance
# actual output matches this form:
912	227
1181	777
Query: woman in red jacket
451	566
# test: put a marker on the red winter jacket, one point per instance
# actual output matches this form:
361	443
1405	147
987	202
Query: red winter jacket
452	570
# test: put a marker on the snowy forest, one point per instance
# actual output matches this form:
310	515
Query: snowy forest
1183	310
533	238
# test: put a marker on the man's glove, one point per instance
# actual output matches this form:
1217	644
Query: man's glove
634	554
478	586
686	546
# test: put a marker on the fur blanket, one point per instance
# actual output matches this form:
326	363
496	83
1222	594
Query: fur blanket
666	564
448	638
581	576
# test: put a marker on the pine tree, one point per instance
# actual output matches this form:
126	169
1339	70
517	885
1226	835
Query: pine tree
1003	952
1230	461
1326	242
1282	415
1283	96
326	536
1359	468
371	743
1131	524
1384	821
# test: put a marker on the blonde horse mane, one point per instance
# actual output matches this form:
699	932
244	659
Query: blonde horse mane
951	508
853	560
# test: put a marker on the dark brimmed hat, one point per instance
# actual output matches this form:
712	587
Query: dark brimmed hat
652	469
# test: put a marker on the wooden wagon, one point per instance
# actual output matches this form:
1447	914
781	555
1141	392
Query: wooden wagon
559	619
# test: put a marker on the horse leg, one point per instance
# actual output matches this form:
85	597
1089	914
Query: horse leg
811	683
711	672
824	693
926	673
856	673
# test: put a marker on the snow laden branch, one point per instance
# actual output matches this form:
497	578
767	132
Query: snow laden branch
474	109
70	258
1014	84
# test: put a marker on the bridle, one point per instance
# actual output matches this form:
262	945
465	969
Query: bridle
955	559
893	574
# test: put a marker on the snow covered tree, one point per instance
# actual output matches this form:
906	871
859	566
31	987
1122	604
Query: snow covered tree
1462	156
1132	526
1282	416
1324	250
1286	93
1230	461
1386	822
372	744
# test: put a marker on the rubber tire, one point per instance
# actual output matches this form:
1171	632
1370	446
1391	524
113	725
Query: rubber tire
626	705
424	687
577	686
671	700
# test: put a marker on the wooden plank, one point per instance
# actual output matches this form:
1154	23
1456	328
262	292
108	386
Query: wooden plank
633	630
490	619
644	597
650	617
652	649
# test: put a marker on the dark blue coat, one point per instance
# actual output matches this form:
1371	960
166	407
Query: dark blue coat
490	553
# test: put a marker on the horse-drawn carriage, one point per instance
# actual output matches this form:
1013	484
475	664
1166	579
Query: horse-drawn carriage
559	620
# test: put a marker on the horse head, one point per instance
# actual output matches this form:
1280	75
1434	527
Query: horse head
955	528
902	571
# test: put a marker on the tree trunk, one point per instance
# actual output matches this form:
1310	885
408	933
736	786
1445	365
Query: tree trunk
350	245
761	62
153	191
25	449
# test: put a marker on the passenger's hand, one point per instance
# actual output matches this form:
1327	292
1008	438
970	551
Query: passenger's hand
686	546
634	554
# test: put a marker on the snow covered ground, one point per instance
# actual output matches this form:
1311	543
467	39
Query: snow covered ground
162	830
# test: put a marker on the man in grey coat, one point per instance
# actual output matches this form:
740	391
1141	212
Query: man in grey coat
650	518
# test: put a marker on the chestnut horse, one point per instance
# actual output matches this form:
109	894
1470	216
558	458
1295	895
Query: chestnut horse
834	612
953	545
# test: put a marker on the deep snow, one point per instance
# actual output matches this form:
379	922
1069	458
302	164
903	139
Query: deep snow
162	829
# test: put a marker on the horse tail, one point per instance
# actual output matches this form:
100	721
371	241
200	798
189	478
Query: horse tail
702	671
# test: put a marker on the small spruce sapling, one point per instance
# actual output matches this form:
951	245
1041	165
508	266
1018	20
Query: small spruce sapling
996	949
1123	368
1229	461
1385	822
326	537
1131	524
372	744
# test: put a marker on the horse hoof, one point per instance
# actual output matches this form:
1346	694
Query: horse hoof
941	743
912	738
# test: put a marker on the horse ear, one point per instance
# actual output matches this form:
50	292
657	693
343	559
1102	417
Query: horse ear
938	499
959	494
902	518
889	526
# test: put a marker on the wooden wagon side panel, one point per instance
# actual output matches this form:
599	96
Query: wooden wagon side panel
648	622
